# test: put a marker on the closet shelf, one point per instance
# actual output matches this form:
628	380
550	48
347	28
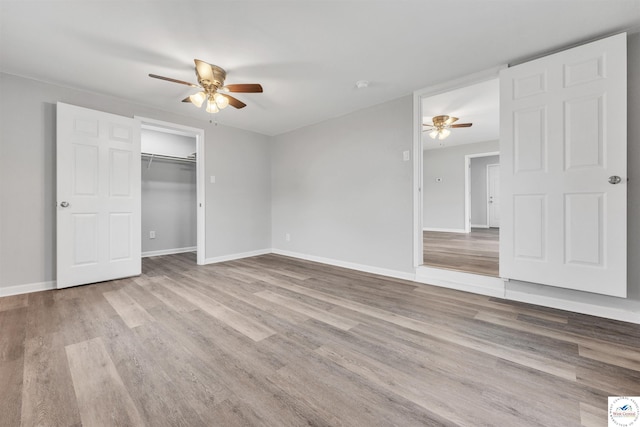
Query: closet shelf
151	157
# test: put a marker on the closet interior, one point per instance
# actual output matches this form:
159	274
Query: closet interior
168	199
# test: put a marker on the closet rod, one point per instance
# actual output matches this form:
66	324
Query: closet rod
151	156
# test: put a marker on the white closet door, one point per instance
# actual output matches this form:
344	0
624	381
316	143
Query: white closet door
563	142
98	196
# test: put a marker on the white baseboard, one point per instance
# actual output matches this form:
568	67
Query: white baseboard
578	302
350	265
479	226
626	311
27	288
445	230
477	284
168	251
241	255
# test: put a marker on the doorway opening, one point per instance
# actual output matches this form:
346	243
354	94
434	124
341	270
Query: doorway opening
456	231
475	248
173	198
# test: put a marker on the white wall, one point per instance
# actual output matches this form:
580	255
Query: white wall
238	206
478	188
443	202
342	190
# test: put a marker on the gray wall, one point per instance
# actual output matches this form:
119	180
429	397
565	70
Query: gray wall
478	190
168	205
443	203
342	191
238	211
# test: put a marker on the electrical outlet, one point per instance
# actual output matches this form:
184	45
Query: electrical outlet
152	234
406	156
287	237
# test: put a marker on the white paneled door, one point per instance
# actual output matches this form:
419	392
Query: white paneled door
563	146
98	196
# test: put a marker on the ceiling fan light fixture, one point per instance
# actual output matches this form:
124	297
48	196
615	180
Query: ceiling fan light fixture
198	98
212	107
213	91
433	134
444	133
221	101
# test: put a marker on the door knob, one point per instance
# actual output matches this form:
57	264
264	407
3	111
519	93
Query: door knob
64	204
615	179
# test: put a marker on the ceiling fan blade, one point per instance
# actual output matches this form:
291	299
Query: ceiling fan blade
427	124
243	87
461	125
169	79
450	120
203	70
234	102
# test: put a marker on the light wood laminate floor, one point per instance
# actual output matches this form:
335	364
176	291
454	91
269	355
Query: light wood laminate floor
475	252
273	341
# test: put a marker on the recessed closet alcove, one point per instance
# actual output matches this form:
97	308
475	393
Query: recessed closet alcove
168	192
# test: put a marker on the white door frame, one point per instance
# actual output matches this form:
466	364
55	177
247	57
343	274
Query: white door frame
198	134
417	147
467	186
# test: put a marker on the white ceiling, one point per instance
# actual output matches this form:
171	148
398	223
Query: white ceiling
477	104
307	54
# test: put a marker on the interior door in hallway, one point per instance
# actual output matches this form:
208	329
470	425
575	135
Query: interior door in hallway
493	195
98	196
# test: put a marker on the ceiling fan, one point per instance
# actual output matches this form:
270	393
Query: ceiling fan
211	81
441	125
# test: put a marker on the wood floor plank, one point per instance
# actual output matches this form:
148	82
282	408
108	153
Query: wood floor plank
13	334
46	364
150	386
591	416
161	289
11	392
102	397
14	301
434	399
132	313
12	346
237	321
308	310
618	355
238	296
240	369
197	383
